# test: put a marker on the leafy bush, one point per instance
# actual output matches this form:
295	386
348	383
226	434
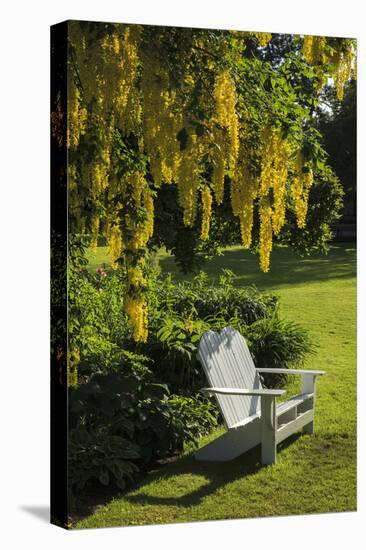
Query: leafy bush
119	423
184	311
193	417
98	326
97	455
204	300
276	343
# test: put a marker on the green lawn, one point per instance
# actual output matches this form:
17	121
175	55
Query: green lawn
313	474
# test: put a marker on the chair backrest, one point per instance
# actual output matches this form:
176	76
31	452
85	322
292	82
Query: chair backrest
227	363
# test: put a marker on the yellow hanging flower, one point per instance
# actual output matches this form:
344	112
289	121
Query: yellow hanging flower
188	179
77	116
340	55
135	276
136	309
300	188
218	155
226	115
344	71
206	212
115	245
265	234
263	38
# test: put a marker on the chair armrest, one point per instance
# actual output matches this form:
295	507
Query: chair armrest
242	391
292	371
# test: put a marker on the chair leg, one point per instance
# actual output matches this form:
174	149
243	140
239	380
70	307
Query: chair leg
268	430
308	386
309	428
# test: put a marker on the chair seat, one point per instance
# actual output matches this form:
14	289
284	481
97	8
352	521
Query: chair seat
246	420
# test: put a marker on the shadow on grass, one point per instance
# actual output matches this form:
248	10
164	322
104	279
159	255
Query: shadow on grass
287	268
218	474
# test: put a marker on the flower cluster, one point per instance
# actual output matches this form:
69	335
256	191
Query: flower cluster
345	70
314	49
273	178
218	156
337	56
162	120
265	233
206	197
77	117
226	114
136	309
101	272
263	38
188	179
244	190
300	188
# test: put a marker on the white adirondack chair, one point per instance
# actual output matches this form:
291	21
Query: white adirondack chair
249	411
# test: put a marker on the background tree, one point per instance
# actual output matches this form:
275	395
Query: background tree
337	124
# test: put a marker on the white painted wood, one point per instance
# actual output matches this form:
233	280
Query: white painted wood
250	411
227	362
232	443
268	429
309	427
293	402
291	371
308	383
283	432
287	417
243	391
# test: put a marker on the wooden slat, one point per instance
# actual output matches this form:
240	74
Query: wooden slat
209	357
244	391
295	425
244	360
232	375
208	353
293	402
291	371
227	362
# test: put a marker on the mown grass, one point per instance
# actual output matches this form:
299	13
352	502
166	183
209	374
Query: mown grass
313	474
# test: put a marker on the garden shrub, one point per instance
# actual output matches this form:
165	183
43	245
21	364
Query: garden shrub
277	343
120	423
98	327
184	311
95	455
205	300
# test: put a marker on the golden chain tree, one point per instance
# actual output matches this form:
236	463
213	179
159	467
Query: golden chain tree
149	107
